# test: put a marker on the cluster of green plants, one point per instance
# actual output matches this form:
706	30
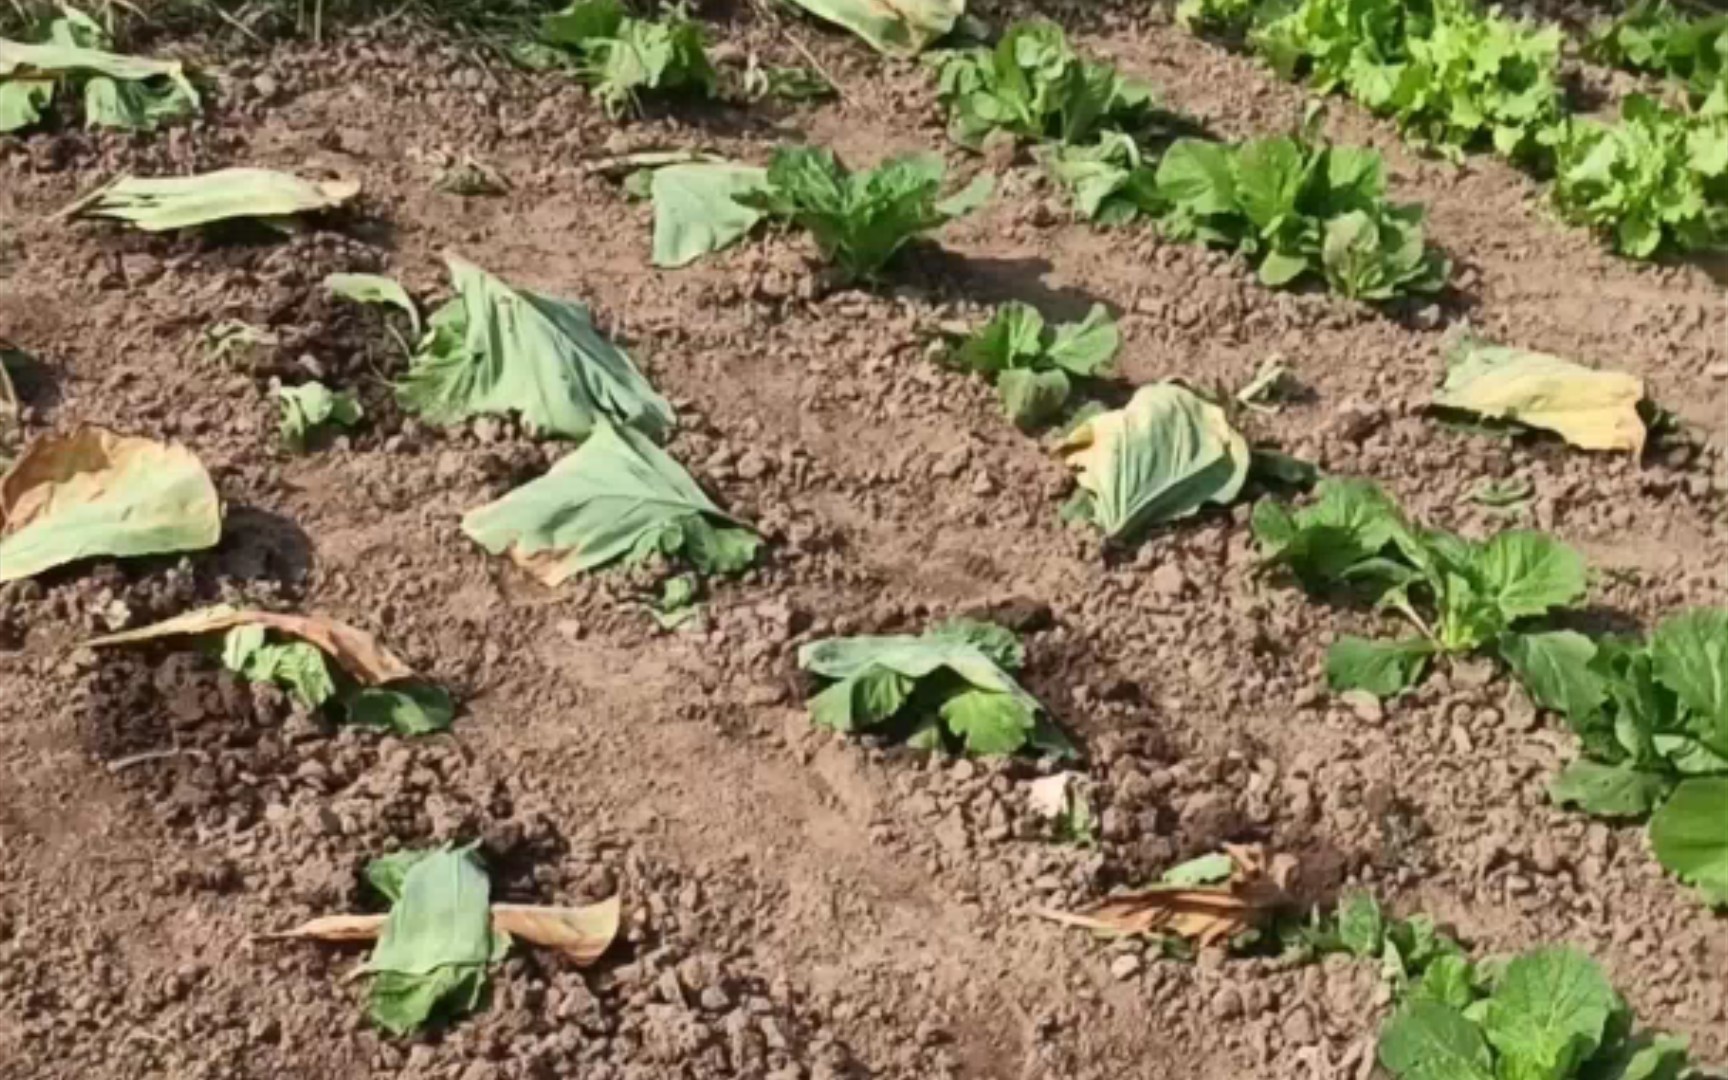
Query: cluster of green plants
621	55
1459	78
1550	1012
1461	596
72	52
1652	724
1657	180
1453	76
1298	208
1035	366
1657	37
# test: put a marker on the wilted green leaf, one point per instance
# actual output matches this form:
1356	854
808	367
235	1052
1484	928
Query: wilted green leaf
1161	458
435	945
695	211
495	349
617	495
126	92
905	684
180	202
92	493
374	289
894	27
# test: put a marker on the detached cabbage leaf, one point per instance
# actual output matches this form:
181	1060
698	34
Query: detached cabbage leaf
433	952
128	92
696	210
93	493
617	496
1160	458
495	349
180	202
895	27
1593	410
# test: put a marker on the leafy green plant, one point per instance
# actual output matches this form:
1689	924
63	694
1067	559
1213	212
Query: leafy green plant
1548	1014
1452	75
1112	180
1297	208
1413	952
1657	180
860	219
430	961
1033	86
624	56
1461	595
1035	365
127	92
1652	723
1656	36
949	688
311	406
1220	18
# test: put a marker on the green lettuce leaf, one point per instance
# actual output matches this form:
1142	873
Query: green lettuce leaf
623	56
296	666
696	211
127	92
1548	1014
1690	652
1382	668
616	496
1615	791
897	28
1555	670
494	349
1430	1040
432	954
1690	835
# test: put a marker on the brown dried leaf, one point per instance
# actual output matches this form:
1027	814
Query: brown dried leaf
1205	914
581	933
333	928
357	651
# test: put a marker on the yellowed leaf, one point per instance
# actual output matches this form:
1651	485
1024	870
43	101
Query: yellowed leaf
1592	410
334	928
1204	914
581	933
94	493
357	651
1162	456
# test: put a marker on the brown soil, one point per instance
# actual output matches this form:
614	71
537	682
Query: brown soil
798	906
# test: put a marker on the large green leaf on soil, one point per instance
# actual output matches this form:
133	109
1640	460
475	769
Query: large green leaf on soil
1608	790
1162	457
495	349
695	212
1690	834
1548	1014
1554	667
1382	668
93	493
895	27
617	495
435	944
179	202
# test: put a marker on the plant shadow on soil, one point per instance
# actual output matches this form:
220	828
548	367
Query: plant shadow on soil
994	281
